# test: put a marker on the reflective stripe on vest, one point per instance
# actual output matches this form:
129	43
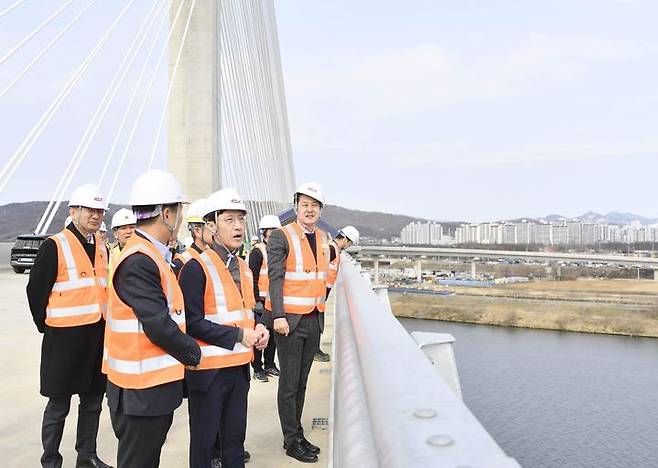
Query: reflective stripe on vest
304	285
115	253
333	265
224	304
79	294
263	278
131	359
186	255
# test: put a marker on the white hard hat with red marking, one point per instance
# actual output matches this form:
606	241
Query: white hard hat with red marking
225	199
89	196
310	189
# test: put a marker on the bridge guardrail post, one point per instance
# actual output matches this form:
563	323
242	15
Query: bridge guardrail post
438	348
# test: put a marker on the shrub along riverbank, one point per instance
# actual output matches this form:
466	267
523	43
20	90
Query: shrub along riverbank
613	307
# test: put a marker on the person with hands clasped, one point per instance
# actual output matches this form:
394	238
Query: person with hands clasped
217	288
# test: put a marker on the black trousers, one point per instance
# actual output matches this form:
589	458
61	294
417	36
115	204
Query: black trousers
140	438
269	353
295	358
221	409
52	428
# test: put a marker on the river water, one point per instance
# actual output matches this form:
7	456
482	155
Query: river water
559	399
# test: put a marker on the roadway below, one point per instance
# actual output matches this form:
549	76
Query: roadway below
22	407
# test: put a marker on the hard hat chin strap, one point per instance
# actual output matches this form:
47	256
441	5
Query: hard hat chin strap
171	228
219	243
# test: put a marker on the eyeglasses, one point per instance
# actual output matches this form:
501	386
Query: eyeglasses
240	219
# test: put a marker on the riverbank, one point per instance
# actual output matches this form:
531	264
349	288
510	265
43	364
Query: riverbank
621	307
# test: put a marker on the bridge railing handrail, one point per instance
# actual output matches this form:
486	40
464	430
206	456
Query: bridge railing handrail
390	408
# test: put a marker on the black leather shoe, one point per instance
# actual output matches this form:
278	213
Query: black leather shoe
299	452
321	356
261	376
93	462
272	371
310	447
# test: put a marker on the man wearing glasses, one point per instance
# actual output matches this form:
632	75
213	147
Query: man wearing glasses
67	293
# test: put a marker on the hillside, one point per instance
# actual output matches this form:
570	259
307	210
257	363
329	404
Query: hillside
21	218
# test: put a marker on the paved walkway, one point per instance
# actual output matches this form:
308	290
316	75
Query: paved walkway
21	406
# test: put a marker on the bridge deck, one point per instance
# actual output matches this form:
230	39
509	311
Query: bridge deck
22	407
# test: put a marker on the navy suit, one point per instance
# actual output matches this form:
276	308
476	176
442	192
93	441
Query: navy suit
217	398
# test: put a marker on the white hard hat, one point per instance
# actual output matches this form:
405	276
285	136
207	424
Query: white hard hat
225	199
89	196
68	221
156	187
196	211
123	217
103	227
311	189
269	222
351	233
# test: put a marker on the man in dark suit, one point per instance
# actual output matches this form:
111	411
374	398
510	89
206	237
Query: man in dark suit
72	347
219	301
146	343
298	265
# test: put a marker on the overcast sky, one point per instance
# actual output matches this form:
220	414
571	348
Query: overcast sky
469	110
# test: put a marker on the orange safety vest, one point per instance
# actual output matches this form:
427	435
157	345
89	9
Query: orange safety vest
187	255
263	279
131	359
333	265
79	295
305	281
224	304
114	253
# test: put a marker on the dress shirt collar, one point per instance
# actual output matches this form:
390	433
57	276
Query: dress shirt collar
163	249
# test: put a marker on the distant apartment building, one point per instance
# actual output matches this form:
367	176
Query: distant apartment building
565	233
559	234
418	233
542	234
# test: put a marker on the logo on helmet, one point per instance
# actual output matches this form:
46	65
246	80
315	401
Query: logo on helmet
236	201
98	198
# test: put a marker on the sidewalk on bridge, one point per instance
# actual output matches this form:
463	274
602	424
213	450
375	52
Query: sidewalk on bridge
22	407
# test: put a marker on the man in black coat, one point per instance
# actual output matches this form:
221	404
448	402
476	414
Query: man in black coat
70	356
141	417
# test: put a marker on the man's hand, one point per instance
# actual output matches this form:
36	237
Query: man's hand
264	336
249	337
281	326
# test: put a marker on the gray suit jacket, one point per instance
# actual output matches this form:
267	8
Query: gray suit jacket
277	253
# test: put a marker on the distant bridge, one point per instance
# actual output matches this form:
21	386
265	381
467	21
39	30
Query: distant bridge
387	254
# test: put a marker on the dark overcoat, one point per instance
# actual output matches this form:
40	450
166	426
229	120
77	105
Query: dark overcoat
71	357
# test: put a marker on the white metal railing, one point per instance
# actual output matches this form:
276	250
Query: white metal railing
390	407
